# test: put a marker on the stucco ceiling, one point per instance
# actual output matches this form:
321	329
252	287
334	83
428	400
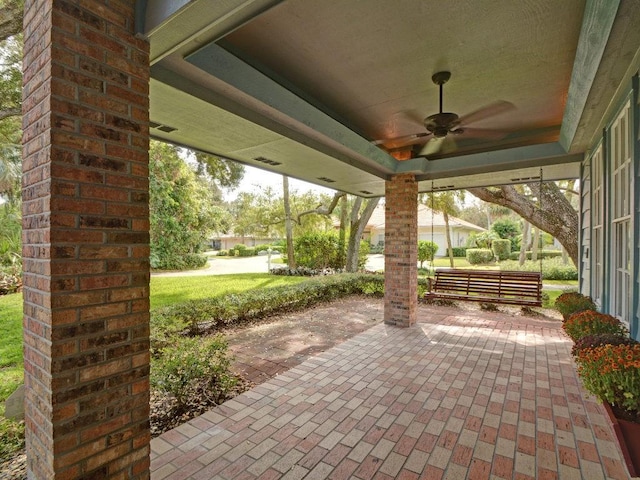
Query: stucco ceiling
315	88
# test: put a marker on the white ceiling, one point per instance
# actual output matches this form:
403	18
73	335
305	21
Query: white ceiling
313	86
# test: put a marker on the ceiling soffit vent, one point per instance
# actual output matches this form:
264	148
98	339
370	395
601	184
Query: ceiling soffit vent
444	187
267	161
162	128
366	192
525	179
326	179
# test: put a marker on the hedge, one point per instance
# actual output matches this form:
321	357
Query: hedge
501	248
552	269
543	254
477	256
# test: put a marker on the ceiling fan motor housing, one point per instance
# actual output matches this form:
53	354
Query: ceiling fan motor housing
441	124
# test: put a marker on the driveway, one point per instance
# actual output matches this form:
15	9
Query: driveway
259	264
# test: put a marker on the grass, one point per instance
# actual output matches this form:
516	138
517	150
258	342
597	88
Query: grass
169	290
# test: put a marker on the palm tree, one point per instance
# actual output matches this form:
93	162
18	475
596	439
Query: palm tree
447	204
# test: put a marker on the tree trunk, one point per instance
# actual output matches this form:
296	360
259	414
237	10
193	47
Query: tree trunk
291	260
342	243
448	236
535	245
356	229
554	214
524	243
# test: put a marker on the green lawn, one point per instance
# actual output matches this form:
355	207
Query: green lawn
164	291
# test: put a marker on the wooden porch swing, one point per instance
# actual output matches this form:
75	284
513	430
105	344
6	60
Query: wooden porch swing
487	286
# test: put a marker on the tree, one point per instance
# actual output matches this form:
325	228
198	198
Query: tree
446	203
426	251
553	213
291	258
11	12
181	211
358	220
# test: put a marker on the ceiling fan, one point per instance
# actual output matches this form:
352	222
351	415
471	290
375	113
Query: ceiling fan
442	125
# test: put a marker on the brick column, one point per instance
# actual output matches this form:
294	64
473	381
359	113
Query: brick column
85	240
401	251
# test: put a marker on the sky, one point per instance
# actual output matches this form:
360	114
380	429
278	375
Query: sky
255	177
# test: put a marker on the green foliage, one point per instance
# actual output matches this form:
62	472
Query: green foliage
479	256
317	250
223	253
182	213
191	364
362	253
542	254
459	252
247	252
501	248
508	229
426	251
482	240
552	269
572	302
11	327
11	437
225	173
590	322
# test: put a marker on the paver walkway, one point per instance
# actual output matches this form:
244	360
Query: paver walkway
460	395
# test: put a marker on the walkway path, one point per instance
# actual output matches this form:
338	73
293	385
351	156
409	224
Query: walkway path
463	394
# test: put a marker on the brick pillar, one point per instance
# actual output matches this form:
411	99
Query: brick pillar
85	240
401	251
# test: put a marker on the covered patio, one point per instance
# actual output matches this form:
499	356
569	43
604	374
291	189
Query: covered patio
463	394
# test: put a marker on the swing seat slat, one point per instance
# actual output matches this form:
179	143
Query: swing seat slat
488	286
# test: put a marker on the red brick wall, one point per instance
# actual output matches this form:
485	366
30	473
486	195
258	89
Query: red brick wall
401	251
85	236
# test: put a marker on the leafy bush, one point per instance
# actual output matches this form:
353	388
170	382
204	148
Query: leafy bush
541	254
377	249
190	363
501	248
598	340
223	253
508	229
317	250
590	322
239	248
569	303
459	252
247	252
552	269
482	240
175	261
303	271
426	251
476	256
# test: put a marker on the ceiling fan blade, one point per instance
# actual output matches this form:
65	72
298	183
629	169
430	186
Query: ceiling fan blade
432	147
487	111
405	140
487	133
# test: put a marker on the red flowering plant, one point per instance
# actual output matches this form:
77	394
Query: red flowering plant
612	374
590	322
569	303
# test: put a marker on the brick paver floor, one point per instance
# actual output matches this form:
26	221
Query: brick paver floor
463	394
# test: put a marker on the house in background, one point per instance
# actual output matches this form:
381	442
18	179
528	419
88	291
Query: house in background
229	240
431	227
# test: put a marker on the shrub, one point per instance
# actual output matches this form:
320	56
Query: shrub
223	253
377	249
477	256
482	240
247	252
426	251
508	229
552	269
598	340
590	322
362	254
187	261
569	303
612	373
232	252
501	248
544	254
459	252
191	362
210	313
317	250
